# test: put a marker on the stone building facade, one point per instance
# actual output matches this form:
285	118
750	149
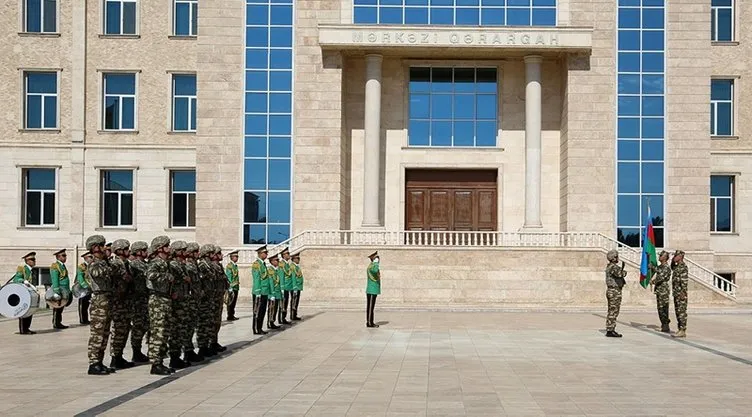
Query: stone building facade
251	122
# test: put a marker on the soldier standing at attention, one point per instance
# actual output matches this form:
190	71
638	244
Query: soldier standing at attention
98	277
260	289
191	269
233	278
61	287
159	282
23	276
121	309
614	283
661	289
275	292
297	286
180	290
139	300
373	287
680	283
287	284
83	302
206	302
219	301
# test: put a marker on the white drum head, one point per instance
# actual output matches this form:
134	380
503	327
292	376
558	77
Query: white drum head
16	300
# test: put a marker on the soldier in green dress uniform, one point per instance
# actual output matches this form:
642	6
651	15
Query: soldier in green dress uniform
233	278
373	287
297	286
23	276
61	287
260	289
83	302
286	283
275	291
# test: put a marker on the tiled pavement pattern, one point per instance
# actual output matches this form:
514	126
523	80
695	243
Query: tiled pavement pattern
416	364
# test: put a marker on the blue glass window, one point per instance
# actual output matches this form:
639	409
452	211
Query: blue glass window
453	107
186	18
722	107
183	199
120	17
722	202
40	16
41	101
722	20
119	101
117	198
456	12
184	102
39	196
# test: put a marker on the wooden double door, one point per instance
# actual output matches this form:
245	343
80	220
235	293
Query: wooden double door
463	200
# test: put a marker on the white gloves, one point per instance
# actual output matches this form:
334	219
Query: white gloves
26	282
56	297
273	299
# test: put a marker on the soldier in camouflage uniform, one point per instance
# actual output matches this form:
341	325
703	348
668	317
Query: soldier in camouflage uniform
98	277
221	287
191	269
660	282
680	283
205	302
180	290
614	283
121	318
139	300
159	281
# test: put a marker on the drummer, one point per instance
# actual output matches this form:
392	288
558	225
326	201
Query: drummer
23	276
61	287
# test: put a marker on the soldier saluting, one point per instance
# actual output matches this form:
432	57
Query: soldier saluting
614	283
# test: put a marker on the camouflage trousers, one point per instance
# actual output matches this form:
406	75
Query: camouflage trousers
204	324
680	303
99	329
179	328
219	303
662	295
190	321
140	319
121	324
160	316
613	296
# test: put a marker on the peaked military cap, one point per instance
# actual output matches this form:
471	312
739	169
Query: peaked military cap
158	243
262	250
139	245
120	244
87	253
95	240
192	247
178	245
29	255
60	252
373	255
284	251
295	255
274	258
235	252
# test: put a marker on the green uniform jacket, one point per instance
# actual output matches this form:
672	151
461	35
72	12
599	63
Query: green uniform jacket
233	276
287	278
297	284
23	272
59	277
260	278
81	275
374	279
275	279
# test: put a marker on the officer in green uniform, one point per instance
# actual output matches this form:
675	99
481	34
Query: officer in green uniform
260	289
61	287
23	276
275	291
286	283
83	302
373	287
297	286
233	278
160	282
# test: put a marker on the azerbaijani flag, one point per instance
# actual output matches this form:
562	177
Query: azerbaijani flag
648	251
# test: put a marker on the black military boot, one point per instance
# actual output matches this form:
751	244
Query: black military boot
191	356
159	369
139	357
665	328
612	333
118	362
97	369
218	348
176	362
206	352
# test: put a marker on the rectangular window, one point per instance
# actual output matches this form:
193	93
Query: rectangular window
456	12
724	286
722	20
40	100
39	196
119	101
183	199
40	16
184	103
185	15
120	17
722	107
117	198
453	107
41	277
722	203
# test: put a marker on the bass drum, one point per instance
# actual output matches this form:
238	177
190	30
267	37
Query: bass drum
62	301
18	301
79	291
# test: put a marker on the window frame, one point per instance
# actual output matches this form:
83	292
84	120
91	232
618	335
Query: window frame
192	103
137	17
25	72
171	194
24	7
193	5
714	108
103	101
24	199
714	208
714	22
102	192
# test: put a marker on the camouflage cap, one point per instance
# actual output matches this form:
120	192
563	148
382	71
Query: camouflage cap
139	245
678	252
663	252
217	249
205	250
120	244
612	255
178	245
158	242
95	240
192	247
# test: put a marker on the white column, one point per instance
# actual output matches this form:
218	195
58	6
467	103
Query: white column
533	141
372	148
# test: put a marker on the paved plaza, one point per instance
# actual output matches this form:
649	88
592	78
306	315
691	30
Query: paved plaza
415	364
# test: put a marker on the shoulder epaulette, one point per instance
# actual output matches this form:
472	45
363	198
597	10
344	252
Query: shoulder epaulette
20	269
55	266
